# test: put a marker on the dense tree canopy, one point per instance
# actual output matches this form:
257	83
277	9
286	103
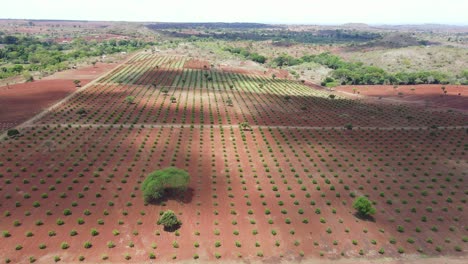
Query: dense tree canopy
247	54
22	53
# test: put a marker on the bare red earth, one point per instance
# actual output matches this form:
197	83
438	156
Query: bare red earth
197	64
22	101
282	191
432	95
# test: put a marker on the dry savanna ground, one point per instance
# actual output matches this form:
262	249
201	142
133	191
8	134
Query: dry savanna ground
279	191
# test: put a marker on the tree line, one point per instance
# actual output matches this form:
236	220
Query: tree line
23	54
359	74
246	54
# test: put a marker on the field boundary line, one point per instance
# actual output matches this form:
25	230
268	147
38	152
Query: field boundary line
179	125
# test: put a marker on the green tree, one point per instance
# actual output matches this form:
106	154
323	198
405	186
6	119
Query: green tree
364	206
160	183
349	126
229	101
13	133
245	126
77	83
130	99
169	220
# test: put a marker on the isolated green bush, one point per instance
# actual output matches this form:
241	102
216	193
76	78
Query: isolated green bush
163	182
13	132
363	206
169	220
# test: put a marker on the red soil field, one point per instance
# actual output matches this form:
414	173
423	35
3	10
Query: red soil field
431	95
22	101
197	64
280	192
281	74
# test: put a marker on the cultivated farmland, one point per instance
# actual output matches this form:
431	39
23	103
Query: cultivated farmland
282	187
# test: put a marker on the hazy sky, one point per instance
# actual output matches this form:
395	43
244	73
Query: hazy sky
287	11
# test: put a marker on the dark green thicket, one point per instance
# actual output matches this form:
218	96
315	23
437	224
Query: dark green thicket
13	133
247	54
24	54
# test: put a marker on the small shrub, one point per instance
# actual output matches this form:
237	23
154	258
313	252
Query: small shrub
363	206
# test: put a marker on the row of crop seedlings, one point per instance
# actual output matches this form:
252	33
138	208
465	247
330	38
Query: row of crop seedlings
273	225
303	99
233	90
155	93
333	106
224	96
172	111
158	80
236	106
120	71
119	68
251	85
163	98
236	174
281	92
89	100
212	100
420	178
289	220
156	104
240	101
305	209
86	189
167	64
235	97
183	83
284	220
305	212
186	88
116	100
151	96
394	113
288	96
370	183
56	141
65	168
130	77
180	82
245	99
219	202
125	74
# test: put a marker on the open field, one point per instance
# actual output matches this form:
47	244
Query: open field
22	101
428	96
282	191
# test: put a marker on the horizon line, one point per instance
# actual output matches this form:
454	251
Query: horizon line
250	22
